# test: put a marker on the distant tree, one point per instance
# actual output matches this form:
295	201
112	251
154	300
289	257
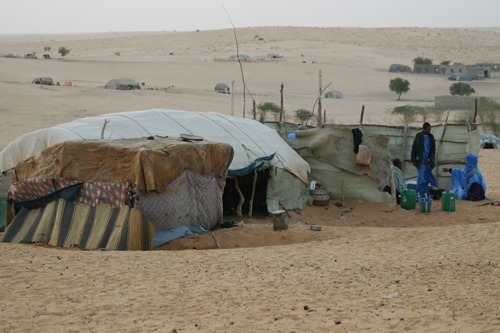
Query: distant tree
47	48
264	108
63	51
445	63
461	89
303	116
422	61
399	86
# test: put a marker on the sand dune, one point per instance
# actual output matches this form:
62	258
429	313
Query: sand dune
379	270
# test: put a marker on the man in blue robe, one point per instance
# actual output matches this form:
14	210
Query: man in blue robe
468	183
423	157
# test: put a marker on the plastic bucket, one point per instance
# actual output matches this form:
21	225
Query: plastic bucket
425	205
408	199
3	210
448	201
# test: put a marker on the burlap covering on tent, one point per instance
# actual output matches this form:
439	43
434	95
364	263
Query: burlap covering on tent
149	164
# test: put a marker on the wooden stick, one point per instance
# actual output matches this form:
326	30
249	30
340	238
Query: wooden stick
104	127
393	185
216	240
254	185
475	115
438	144
281	106
361	117
403	145
242	198
320	120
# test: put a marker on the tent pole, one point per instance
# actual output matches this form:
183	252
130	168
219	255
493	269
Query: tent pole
242	198
439	144
319	119
393	185
254	184
403	145
106	122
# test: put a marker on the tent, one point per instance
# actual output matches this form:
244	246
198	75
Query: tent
334	94
398	68
330	153
76	190
222	88
256	148
122	84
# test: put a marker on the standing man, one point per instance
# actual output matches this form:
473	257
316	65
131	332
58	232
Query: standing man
423	157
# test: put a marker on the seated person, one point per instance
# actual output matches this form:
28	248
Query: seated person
468	183
399	180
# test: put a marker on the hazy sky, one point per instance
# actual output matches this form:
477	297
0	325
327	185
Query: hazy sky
69	16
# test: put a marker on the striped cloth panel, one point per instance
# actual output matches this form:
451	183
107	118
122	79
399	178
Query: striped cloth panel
68	224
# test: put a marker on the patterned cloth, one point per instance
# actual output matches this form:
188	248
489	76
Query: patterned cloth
92	193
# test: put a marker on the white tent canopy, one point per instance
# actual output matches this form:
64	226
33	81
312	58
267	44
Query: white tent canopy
250	139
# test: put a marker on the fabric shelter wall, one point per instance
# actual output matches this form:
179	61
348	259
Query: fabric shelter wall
68	224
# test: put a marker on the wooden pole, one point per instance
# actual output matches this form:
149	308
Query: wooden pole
242	198
403	144
438	144
320	120
254	110
254	185
474	124
362	115
393	185
106	122
281	106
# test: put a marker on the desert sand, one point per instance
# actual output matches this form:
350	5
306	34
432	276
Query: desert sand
377	269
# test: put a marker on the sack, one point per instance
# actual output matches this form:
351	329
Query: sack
364	156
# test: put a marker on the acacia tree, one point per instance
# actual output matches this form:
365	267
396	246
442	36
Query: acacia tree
63	51
461	89
303	116
264	108
422	61
399	86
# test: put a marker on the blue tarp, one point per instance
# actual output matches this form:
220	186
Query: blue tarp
162	237
252	166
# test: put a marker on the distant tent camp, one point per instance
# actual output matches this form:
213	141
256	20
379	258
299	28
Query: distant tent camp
122	84
241	57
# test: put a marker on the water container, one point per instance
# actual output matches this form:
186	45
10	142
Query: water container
3	210
408	199
448	201
320	197
425	204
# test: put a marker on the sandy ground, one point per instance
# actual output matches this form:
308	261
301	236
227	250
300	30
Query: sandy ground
377	270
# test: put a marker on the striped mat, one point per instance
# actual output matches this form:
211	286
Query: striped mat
67	224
